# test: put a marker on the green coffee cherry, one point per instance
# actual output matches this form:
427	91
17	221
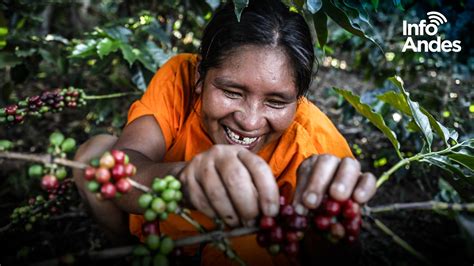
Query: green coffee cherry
153	242
169	178
168	195
158	205
174	184
61	173
171	206
5	145
56	138
68	145
93	186
159	185
145	200
163	216
35	170
167	245
150	215
95	162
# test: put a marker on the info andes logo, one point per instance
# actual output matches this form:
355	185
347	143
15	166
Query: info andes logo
430	28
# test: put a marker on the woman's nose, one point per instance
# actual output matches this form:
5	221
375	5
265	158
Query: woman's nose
250	118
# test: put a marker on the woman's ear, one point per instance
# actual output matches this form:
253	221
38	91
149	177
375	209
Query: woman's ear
198	82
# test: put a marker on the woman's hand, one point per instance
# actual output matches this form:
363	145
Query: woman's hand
341	178
232	183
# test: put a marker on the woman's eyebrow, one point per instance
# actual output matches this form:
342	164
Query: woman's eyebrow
220	81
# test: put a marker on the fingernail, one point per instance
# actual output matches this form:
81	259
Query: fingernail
361	194
272	210
300	209
311	198
341	188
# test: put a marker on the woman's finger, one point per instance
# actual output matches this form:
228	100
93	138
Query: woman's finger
365	188
345	180
319	179
263	180
194	193
236	179
216	193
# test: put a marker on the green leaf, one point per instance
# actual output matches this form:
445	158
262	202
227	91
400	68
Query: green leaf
84	50
321	25
314	5
119	33
213	3
106	46
463	157
445	163
139	80
155	30
8	59
128	53
239	6
340	17
398	101
420	119
159	56
375	4
375	118
398	4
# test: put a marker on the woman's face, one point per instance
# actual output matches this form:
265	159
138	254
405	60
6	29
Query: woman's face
251	99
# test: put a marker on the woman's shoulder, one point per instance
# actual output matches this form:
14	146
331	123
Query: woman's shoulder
315	127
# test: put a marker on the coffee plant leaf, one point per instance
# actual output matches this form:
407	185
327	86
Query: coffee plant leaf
106	46
314	5
84	50
8	59
127	52
375	118
119	33
420	118
340	17
138	79
450	166
462	157
320	20
155	30
159	55
397	101
239	6
213	3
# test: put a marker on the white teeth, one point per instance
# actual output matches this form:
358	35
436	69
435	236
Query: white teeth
239	139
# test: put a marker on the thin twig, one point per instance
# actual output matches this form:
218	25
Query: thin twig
41	158
402	243
139	186
425	205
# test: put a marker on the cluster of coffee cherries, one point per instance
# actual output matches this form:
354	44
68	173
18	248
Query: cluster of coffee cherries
163	198
41	208
282	233
48	101
156	249
29	213
108	175
338	220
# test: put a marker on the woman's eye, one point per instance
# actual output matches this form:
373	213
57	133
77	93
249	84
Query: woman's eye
276	104
231	94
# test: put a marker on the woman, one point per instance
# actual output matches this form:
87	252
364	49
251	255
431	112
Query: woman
233	125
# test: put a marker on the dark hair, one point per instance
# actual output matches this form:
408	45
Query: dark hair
263	22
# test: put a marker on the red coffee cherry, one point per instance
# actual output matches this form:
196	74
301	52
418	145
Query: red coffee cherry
322	222
123	185
267	222
331	207
108	191
350	209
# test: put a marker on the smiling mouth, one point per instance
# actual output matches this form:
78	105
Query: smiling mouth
235	138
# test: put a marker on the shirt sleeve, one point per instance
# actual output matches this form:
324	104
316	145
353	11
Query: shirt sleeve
164	99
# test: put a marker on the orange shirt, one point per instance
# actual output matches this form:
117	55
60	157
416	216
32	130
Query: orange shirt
168	98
